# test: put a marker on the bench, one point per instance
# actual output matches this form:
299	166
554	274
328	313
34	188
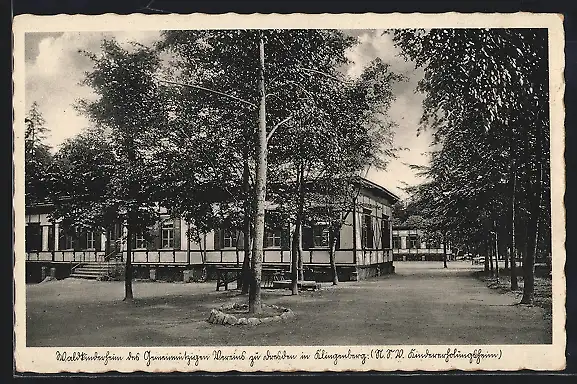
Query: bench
302	285
227	275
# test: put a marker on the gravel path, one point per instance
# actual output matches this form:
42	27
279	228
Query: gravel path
421	304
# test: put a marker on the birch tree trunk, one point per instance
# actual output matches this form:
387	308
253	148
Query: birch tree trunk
254	299
246	277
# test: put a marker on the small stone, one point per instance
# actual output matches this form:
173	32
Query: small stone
242	321
232	320
266	319
253	321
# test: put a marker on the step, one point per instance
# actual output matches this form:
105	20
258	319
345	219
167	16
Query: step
95	270
84	276
88	273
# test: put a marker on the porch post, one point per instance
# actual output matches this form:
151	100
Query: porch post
44	237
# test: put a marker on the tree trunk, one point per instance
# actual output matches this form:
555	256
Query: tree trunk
296	255
245	275
445	251
128	295
514	281
301	202
296	239
486	251
490	254
254	299
496	255
532	238
332	246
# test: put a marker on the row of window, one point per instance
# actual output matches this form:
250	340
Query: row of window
414	242
315	236
78	240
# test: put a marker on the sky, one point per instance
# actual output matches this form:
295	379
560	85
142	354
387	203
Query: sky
55	68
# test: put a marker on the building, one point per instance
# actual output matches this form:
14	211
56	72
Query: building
410	244
363	247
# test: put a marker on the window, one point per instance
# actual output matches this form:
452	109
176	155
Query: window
273	239
65	239
396	242
168	234
229	239
33	237
367	235
413	242
90	240
140	241
320	236
68	241
386	233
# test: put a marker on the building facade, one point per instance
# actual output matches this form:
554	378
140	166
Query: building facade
411	244
363	244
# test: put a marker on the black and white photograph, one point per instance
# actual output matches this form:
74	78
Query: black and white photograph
281	192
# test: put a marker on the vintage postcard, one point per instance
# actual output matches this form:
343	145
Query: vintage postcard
336	192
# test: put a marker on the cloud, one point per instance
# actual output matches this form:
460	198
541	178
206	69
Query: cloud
405	111
54	70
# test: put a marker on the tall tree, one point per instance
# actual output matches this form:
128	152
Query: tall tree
484	87
130	112
37	156
224	68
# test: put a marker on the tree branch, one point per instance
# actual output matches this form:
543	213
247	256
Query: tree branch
324	74
209	90
276	126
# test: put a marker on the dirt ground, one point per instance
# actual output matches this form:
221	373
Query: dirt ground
421	304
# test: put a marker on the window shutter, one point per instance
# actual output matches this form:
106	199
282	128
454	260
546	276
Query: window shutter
77	237
307	237
285	239
51	238
217	238
98	240
177	233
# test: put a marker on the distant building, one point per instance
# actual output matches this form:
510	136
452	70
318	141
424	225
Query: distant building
363	247
410	244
